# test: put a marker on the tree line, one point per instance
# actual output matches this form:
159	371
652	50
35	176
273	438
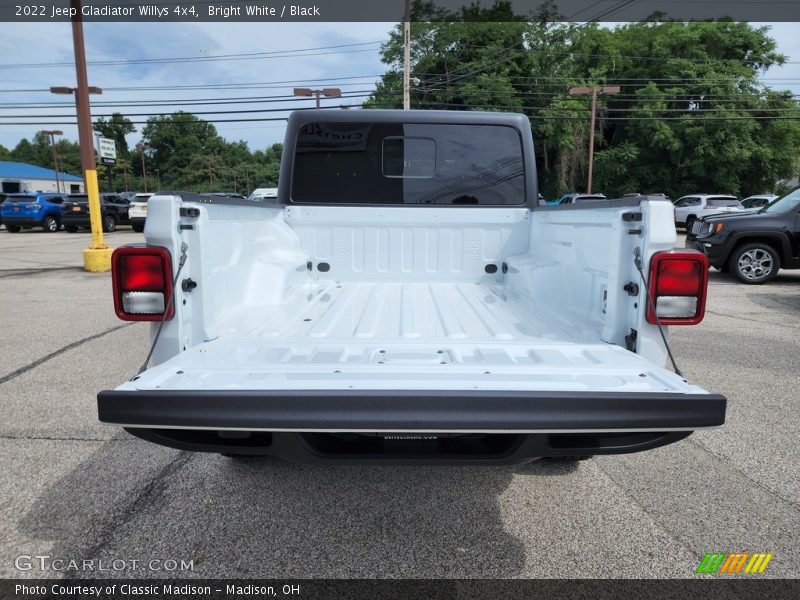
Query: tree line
691	114
180	151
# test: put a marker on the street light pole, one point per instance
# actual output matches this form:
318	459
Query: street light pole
52	134
582	91
141	148
124	164
327	92
97	256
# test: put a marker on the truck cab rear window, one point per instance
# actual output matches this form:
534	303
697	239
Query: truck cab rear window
396	163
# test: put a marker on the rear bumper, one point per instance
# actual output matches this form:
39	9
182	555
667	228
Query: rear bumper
612	423
715	252
445	411
76	220
22	221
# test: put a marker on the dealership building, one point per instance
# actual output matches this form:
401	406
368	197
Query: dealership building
16	177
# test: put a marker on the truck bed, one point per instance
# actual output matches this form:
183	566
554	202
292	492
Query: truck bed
332	335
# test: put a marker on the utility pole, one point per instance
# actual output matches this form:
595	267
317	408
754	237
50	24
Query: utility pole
124	164
97	256
407	57
53	135
583	91
141	148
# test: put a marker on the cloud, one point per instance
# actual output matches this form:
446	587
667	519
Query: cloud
52	42
143	41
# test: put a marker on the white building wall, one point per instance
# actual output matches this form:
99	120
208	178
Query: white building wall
44	185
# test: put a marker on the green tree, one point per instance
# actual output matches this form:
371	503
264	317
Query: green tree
175	143
692	114
39	152
266	166
25	152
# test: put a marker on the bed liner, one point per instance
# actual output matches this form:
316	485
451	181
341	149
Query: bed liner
407	336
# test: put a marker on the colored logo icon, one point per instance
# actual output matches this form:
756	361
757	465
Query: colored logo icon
734	562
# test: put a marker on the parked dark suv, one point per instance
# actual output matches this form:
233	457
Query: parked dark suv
752	245
75	212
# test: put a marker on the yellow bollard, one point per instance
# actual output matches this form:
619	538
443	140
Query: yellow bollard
97	257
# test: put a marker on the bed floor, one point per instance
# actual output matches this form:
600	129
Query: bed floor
375	335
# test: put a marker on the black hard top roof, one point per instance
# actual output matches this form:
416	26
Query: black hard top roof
299	118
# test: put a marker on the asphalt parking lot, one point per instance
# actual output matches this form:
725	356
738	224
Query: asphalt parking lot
73	488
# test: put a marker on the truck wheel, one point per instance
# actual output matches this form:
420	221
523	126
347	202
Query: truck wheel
109	223
137	228
12	228
50	224
754	263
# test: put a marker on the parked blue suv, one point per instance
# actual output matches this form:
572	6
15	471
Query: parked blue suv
35	209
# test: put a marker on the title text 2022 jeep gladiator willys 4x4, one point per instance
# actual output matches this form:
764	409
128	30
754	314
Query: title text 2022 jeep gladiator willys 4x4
404	298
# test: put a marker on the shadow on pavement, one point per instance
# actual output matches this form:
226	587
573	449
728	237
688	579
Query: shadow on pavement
263	517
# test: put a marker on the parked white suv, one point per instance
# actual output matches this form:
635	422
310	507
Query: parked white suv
690	208
138	211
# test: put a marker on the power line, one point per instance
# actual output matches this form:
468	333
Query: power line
178	102
612	10
213	86
297	52
210	112
437	104
613	79
608	118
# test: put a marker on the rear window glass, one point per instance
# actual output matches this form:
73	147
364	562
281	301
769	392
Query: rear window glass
140	198
396	163
21	198
83	198
722	202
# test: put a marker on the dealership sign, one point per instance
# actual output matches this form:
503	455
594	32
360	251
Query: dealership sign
107	151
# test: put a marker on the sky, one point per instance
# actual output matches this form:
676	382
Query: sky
354	66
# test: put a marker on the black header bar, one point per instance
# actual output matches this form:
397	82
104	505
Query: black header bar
43	11
705	588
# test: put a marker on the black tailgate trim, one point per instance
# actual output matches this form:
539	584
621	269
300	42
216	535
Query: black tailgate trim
382	410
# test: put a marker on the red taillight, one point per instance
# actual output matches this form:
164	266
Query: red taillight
142	277
141	272
678	284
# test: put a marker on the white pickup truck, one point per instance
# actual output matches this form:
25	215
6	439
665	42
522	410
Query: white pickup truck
405	298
